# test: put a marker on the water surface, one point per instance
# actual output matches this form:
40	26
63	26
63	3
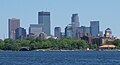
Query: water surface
60	58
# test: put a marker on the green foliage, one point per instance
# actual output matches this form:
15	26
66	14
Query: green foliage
93	46
117	43
109	42
10	44
1	43
38	43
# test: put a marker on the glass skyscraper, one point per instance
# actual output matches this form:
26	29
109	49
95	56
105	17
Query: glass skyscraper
13	24
75	24
94	26
35	29
68	31
57	32
20	33
44	20
83	31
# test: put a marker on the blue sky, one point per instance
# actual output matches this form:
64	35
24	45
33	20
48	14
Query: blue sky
106	11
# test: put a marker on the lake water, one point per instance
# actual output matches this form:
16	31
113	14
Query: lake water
60	58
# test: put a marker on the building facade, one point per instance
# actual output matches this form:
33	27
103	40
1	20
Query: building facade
75	24
68	31
44	20
94	26
57	32
83	31
20	33
13	24
35	29
43	35
108	32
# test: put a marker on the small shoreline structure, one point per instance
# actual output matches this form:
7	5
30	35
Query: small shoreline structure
107	47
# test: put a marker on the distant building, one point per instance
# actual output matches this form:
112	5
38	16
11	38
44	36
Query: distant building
43	35
100	34
44	20
35	29
75	20
84	33
75	24
57	32
13	24
108	32
68	31
62	34
20	33
97	40
107	40
94	25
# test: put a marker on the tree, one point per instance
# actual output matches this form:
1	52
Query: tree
117	43
1	43
10	45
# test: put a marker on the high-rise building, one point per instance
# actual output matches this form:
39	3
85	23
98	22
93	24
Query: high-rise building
44	20
35	29
94	25
83	31
57	32
75	20
13	24
68	31
75	24
20	33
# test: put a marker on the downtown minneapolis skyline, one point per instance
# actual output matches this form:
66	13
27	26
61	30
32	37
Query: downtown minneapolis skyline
107	12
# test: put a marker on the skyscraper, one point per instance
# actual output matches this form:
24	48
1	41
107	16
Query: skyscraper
57	32
83	31
20	33
44	19
75	18
68	31
75	24
94	27
13	24
35	29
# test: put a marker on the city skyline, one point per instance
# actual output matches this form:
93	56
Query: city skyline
106	12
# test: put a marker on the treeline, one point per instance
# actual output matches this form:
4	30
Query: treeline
38	43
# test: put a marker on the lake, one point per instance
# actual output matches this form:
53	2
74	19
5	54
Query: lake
60	58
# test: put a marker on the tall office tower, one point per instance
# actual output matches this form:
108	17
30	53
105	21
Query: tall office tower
13	24
57	32
20	33
35	29
75	24
94	25
68	31
44	19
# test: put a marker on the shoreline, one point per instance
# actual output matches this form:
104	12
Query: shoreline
67	50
